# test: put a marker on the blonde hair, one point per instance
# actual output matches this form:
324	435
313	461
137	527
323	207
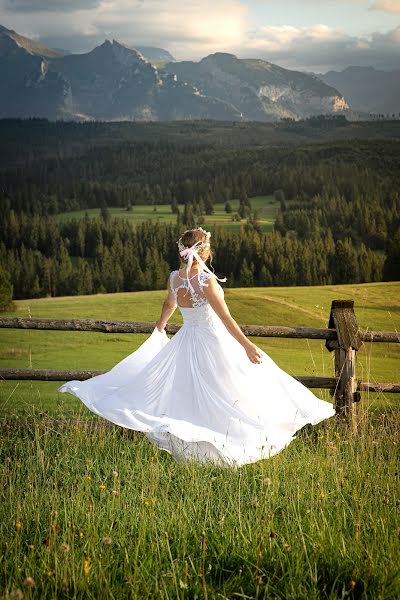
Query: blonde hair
190	237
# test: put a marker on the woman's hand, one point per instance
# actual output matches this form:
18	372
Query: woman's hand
253	352
160	326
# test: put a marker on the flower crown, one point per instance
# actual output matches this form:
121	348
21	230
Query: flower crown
199	246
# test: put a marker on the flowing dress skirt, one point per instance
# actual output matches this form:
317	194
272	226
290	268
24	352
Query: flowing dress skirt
198	396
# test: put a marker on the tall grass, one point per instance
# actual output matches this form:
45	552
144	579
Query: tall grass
101	513
93	513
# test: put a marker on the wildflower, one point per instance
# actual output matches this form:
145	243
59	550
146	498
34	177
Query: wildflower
58	455
323	494
29	582
353	583
287	546
88	477
64	547
18	525
115	493
49	573
106	540
31	546
148	501
267	481
102	487
81	534
86	567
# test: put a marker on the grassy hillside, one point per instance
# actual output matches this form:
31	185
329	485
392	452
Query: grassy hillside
377	307
266	206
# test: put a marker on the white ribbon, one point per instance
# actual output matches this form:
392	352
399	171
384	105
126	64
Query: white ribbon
191	252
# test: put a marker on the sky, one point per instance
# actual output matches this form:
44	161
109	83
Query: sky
307	35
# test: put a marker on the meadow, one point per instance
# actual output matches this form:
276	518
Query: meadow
101	513
266	206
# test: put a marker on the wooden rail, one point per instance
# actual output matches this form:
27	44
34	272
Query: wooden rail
104	326
343	336
53	375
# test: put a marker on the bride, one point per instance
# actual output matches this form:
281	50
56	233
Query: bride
207	394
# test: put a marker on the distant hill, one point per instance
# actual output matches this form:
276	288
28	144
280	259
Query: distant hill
367	89
117	82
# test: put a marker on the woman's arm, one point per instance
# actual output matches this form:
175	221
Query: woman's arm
168	308
219	305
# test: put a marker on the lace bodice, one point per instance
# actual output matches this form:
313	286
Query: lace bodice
196	294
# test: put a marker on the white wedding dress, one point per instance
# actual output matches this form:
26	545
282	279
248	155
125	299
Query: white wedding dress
198	396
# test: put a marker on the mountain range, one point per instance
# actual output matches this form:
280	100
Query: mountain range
367	89
117	82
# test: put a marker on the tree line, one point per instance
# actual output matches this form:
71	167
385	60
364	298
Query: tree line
103	254
338	218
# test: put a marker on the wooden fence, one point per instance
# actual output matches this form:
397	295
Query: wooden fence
342	336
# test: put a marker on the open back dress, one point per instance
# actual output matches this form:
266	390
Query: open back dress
197	395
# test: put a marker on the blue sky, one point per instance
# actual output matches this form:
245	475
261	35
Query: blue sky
352	16
306	35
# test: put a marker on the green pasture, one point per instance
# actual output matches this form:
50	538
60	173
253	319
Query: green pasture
102	513
377	307
266	206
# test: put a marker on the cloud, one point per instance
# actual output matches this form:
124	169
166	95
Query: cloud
187	29
191	29
320	47
30	6
390	6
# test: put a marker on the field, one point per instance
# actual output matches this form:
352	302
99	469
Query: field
266	206
92	513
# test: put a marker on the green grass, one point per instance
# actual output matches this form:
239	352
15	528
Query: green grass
325	527
265	205
317	521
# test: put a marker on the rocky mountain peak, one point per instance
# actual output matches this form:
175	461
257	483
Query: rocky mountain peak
30	46
121	53
220	58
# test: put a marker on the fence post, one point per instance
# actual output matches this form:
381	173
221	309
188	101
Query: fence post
349	339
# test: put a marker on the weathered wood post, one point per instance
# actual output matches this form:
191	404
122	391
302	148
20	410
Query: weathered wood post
349	339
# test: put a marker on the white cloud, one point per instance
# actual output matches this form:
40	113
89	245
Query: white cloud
320	47
191	29
187	29
390	6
